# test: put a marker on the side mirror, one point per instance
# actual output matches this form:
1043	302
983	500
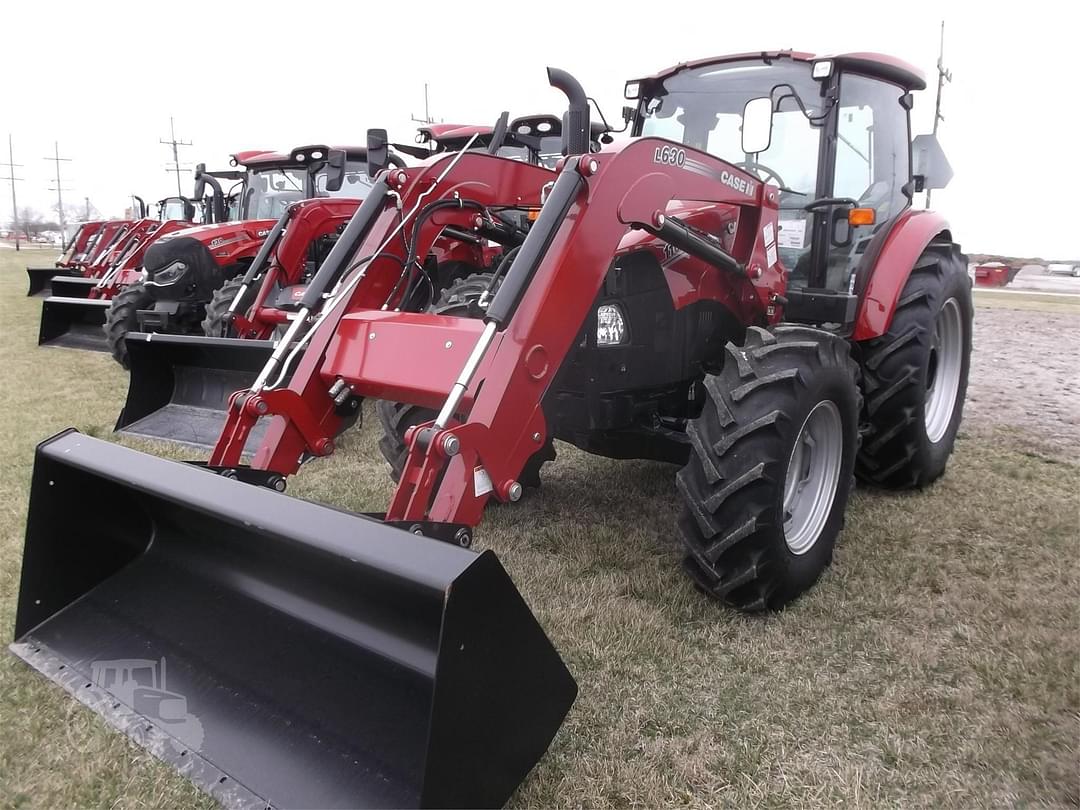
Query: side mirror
930	167
627	114
335	169
378	151
200	182
757	125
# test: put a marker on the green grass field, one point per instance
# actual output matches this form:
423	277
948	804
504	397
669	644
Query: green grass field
936	664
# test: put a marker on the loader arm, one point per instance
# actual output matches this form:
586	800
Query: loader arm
309	418
305	222
545	298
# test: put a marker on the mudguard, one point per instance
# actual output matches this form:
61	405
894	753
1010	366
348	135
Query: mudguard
907	239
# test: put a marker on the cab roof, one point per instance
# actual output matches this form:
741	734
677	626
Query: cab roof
261	158
878	65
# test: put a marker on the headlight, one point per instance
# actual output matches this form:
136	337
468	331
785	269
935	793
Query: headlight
610	326
170	275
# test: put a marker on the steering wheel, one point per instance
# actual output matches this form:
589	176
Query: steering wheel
760	168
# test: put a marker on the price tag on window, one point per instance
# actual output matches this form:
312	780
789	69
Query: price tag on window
792	234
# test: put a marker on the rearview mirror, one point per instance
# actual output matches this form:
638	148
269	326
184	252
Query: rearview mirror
757	125
378	151
335	169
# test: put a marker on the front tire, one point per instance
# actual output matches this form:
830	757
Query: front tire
122	317
768	479
915	375
213	325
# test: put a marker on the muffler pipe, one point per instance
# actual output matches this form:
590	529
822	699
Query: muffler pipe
576	129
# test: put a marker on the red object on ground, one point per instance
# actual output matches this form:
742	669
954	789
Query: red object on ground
992	275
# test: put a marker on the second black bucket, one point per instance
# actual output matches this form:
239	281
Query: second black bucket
40	279
180	385
73	323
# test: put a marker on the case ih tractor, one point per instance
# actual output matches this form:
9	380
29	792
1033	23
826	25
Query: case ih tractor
179	386
70	263
742	288
168	275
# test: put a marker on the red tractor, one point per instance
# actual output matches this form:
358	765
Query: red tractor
70	263
179	386
142	272
742	288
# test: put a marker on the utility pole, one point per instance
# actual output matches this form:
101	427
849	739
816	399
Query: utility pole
943	76
59	188
427	119
11	176
175	144
87	217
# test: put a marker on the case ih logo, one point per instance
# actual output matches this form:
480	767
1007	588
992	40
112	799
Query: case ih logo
738	183
669	156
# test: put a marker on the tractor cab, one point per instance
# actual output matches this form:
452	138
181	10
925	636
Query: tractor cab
276	180
264	184
180	209
833	133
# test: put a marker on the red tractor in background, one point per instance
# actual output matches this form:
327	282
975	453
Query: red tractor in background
742	288
71	315
178	386
70	262
215	252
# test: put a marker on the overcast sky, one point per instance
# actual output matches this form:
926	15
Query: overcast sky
103	78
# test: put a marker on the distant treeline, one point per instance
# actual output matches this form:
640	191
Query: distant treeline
1014	261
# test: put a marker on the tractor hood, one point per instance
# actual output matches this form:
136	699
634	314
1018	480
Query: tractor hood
227	241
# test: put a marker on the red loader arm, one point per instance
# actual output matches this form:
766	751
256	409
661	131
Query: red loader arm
509	360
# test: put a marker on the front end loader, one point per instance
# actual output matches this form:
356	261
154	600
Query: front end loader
73	314
655	308
70	263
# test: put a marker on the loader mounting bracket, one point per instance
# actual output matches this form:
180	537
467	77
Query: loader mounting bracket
457	534
246	475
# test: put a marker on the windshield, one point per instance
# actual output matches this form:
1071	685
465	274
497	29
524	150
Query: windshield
355	186
703	108
175	208
269	192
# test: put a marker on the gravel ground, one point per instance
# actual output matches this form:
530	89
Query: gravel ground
1026	374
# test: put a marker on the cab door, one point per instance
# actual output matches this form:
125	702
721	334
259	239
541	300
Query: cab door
871	168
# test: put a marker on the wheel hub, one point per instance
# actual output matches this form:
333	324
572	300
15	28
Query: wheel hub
943	370
813	473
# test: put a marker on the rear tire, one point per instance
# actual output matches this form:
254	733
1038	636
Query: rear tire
461	299
915	376
770	467
122	317
213	325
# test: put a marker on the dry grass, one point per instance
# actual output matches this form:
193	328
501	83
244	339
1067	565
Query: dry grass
936	664
1040	302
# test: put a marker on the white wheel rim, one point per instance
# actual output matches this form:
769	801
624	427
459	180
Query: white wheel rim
813	473
943	372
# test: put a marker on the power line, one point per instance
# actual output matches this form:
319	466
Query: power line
59	187
11	164
943	76
427	119
175	144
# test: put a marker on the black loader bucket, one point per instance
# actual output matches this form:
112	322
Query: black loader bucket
41	279
73	286
179	386
277	652
75	323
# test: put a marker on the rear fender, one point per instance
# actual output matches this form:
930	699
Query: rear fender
908	237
